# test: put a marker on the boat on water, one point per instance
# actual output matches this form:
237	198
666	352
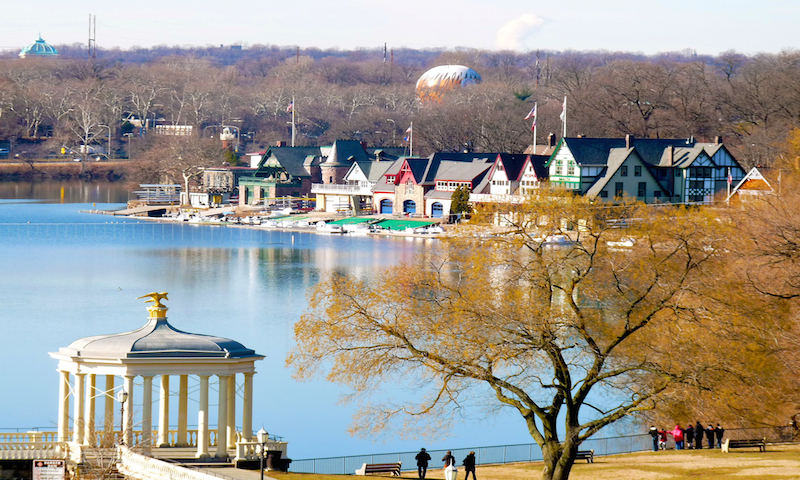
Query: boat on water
323	227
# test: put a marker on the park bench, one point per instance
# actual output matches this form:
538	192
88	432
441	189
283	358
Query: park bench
587	455
393	468
760	443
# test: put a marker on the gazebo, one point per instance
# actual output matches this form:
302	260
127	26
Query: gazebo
155	350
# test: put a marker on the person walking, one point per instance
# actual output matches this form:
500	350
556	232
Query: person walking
677	434
469	465
718	432
654	433
698	435
422	463
450	470
688	436
710	435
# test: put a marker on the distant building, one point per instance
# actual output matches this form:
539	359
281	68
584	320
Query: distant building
39	48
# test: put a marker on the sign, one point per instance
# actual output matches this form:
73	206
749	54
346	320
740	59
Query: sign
48	469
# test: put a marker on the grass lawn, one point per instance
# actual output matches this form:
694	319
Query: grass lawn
780	462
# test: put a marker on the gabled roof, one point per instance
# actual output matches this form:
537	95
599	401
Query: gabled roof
616	158
595	151
513	164
292	159
460	172
539	163
753	182
373	170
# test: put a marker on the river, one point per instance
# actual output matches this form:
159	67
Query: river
67	275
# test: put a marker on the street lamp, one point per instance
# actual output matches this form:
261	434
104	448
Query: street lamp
122	396
394	129
263	437
130	137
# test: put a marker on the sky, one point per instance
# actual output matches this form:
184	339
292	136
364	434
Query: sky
646	26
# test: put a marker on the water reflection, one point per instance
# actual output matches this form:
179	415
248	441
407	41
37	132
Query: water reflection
71	191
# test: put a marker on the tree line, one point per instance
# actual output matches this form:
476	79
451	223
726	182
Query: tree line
752	101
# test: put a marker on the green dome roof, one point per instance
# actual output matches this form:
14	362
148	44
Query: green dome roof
39	48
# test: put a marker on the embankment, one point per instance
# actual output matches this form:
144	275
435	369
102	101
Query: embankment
44	170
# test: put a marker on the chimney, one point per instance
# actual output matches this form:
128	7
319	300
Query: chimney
628	140
670	156
551	140
364	146
280	143
717	140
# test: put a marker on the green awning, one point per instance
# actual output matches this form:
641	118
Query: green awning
403	224
351	221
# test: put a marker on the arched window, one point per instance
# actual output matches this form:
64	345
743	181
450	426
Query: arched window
386	206
409	206
437	210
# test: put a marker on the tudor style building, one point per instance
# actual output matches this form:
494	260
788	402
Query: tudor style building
650	170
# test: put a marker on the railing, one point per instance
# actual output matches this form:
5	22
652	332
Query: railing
146	468
341	189
495	198
527	452
252	450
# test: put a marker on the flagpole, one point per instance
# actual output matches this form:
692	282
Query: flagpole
293	123
565	118
411	140
535	113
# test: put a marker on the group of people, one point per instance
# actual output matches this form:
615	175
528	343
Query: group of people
450	469
691	437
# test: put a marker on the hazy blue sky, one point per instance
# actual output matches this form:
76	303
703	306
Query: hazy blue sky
649	26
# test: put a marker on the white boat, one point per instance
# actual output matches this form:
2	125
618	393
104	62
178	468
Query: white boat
329	228
625	242
357	228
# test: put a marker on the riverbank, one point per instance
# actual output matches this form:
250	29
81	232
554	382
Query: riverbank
15	170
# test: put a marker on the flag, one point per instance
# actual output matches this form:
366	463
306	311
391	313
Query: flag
290	107
532	113
563	115
408	130
730	177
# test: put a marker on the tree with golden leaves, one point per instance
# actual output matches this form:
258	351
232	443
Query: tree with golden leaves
560	315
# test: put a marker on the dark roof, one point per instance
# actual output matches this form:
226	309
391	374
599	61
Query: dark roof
345	152
539	163
595	151
290	158
513	164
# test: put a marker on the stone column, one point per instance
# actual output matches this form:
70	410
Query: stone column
222	418
147	412
108	415
247	407
79	391
127	414
63	406
183	408
88	432
232	411
202	419
163	413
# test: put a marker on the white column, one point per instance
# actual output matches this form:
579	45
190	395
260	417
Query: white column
222	418
232	411
127	414
63	406
183	408
163	413
77	416
88	431
202	419
147	412
108	415
247	407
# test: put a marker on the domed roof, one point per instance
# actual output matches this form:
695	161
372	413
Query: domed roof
157	339
438	80
39	48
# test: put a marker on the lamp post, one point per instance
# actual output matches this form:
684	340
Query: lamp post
263	437
122	396
394	129
130	137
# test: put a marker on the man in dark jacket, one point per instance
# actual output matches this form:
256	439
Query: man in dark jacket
422	463
689	436
718	432
469	465
654	433
698	435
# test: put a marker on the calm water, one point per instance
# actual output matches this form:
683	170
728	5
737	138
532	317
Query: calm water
67	275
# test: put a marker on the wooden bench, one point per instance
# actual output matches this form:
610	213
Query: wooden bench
760	443
587	455
393	468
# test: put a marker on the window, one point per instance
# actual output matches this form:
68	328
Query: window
618	189
696	184
623	171
662	173
409	187
571	168
642	189
603	194
677	172
700	172
637	171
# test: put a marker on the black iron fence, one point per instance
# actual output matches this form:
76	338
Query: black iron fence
526	452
